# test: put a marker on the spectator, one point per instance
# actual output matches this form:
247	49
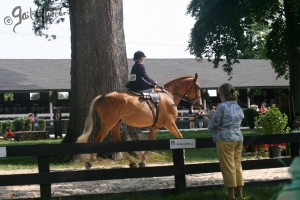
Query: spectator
212	111
31	119
225	125
191	110
35	122
263	107
200	118
192	117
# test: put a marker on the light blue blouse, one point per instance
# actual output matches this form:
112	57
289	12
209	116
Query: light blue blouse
226	121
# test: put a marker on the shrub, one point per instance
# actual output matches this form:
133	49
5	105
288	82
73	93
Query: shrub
22	124
273	121
18	124
27	125
42	124
5	125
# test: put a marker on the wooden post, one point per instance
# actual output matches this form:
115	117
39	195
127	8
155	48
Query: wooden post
44	166
248	98
178	161
295	149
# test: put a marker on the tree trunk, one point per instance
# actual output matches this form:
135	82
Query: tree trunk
98	60
292	10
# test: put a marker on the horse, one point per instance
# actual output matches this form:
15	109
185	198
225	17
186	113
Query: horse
125	106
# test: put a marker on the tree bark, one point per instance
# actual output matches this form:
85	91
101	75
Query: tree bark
98	60
292	10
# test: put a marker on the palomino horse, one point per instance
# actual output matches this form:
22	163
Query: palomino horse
132	110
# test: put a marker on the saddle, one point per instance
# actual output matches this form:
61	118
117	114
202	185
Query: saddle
150	95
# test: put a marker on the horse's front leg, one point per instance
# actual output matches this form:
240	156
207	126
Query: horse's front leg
152	136
172	127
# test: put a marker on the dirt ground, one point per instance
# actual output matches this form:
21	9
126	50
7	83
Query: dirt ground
127	185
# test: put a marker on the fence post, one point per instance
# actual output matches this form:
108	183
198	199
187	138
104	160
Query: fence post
44	166
178	161
295	147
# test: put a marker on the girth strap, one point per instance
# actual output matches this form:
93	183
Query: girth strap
155	116
150	96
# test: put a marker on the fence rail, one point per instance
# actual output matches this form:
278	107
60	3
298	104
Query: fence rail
179	169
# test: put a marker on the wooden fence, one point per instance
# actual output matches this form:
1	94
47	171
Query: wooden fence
179	169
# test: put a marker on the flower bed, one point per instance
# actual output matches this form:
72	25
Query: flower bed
262	150
31	135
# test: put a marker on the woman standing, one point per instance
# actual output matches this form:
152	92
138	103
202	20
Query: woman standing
225	125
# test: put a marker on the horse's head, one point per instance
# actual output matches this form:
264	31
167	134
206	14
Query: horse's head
186	88
193	91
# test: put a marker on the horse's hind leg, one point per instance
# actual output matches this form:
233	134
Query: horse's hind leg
152	136
102	133
117	138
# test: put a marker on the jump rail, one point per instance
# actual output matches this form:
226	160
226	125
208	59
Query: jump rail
179	169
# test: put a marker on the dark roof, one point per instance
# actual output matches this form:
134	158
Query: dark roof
54	74
248	73
34	74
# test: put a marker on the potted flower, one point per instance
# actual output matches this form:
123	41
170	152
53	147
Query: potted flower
273	122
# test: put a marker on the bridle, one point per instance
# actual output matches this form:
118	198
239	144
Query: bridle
184	96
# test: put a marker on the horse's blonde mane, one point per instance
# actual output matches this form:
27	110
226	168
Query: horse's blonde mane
177	79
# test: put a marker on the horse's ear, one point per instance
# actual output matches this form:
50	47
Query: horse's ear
196	77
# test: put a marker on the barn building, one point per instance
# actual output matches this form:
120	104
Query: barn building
31	85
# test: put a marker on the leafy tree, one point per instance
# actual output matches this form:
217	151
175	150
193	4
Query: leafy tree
226	30
35	96
49	12
63	95
8	97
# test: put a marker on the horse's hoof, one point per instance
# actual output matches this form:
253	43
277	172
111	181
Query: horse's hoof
133	165
142	164
88	165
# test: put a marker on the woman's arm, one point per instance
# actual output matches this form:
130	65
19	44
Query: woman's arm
215	121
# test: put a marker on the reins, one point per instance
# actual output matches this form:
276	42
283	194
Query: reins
184	96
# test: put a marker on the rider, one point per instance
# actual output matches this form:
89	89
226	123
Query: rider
138	78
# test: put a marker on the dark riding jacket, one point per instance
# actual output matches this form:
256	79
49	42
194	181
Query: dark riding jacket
138	78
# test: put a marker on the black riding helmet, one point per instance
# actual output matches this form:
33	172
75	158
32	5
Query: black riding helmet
137	55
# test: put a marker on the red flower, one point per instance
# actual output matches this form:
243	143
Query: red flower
253	148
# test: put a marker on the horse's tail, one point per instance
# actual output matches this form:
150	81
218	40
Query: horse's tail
88	127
